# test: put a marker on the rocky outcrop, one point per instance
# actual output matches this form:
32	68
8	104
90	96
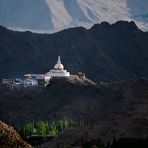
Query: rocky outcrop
9	138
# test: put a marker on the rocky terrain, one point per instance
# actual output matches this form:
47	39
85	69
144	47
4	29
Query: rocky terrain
113	104
50	103
9	138
105	52
117	109
129	119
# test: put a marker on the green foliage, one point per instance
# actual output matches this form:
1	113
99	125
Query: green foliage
42	128
28	129
53	132
45	129
65	123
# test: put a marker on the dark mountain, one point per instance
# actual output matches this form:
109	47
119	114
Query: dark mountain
116	109
129	120
105	52
23	105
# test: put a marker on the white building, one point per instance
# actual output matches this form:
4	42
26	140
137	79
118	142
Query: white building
57	72
30	82
17	81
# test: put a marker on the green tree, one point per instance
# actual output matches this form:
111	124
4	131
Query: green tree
42	128
53	132
65	122
28	130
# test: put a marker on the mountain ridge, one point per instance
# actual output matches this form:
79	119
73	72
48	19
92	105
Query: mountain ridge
123	57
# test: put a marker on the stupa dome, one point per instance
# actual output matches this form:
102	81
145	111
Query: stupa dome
57	72
59	65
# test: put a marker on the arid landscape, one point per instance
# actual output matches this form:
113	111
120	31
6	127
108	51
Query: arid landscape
116	109
73	74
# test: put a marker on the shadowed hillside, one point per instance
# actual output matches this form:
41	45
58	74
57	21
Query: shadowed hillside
111	109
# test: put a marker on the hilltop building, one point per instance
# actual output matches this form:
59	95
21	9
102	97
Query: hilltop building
30	82
57	72
41	79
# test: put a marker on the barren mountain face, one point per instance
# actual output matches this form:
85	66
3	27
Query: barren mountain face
55	15
116	109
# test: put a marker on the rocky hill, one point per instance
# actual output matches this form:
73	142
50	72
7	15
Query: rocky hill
9	138
117	109
126	117
51	103
105	52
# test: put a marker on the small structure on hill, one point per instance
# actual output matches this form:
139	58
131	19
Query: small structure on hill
57	72
30	82
81	75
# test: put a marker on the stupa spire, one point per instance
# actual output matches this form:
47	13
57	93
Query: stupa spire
59	60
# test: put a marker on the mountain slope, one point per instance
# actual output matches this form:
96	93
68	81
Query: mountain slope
25	14
55	15
116	109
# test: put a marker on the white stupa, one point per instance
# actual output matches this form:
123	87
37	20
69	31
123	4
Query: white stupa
57	72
